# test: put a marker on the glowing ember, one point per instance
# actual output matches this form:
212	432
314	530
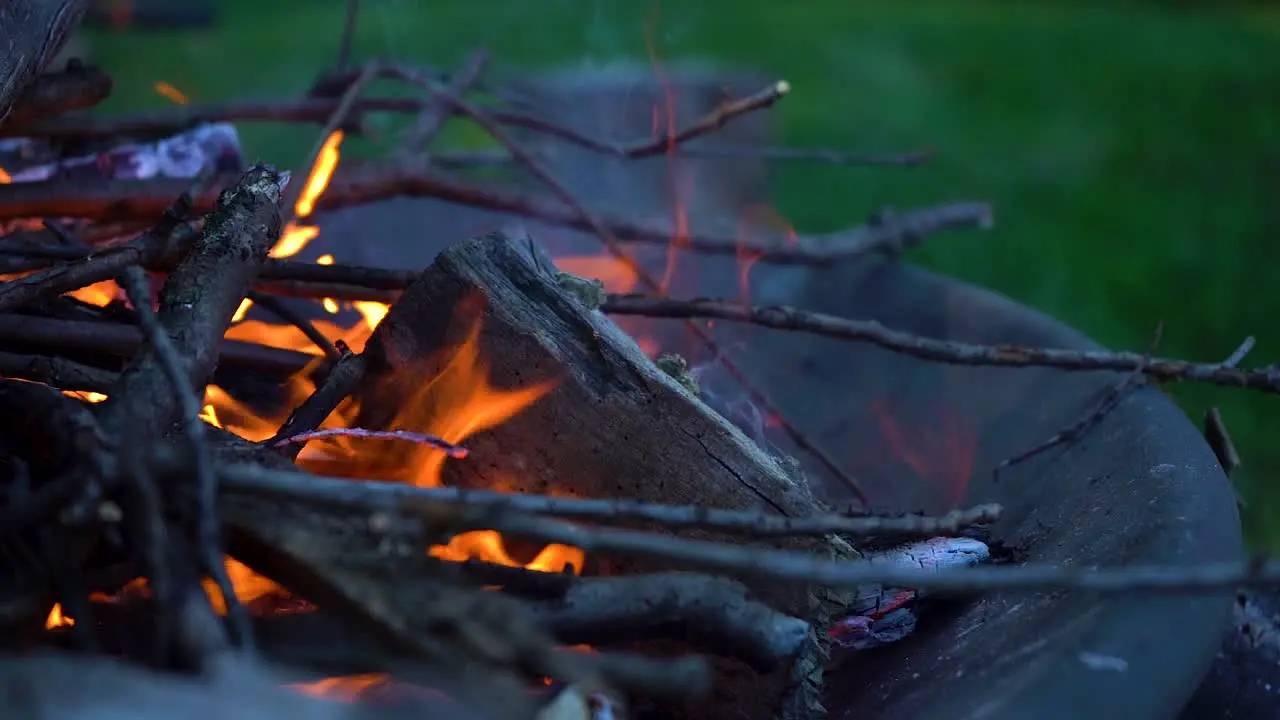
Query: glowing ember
340	689
5	178
169	92
99	293
56	619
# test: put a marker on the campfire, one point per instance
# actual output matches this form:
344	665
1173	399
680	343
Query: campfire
489	485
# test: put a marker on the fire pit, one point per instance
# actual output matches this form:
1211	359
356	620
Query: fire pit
1141	487
358	420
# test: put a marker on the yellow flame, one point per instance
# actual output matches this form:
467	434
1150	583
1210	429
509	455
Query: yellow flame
296	235
241	311
56	619
372	312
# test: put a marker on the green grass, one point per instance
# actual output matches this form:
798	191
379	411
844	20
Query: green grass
1132	152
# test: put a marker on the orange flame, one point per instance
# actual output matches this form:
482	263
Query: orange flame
5	178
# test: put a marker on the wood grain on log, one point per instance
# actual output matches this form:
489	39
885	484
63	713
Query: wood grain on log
614	425
33	32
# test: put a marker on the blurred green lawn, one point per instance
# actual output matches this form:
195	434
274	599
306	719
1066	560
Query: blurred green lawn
1132	152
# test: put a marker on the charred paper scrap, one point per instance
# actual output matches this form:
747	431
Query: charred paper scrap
882	615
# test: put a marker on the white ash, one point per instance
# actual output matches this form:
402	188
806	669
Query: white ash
881	615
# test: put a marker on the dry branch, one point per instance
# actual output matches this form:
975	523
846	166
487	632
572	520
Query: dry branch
34	32
781	317
413	176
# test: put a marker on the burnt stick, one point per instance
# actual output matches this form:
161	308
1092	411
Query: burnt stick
92	268
208	531
56	371
164	382
202	294
121	340
342	380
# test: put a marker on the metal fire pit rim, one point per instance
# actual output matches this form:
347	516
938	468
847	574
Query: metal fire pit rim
1068	675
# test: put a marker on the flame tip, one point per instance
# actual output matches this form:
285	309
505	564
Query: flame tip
782	87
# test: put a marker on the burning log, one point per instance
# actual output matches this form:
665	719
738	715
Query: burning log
629	429
34	32
632	430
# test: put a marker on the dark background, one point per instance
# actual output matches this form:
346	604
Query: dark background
1131	149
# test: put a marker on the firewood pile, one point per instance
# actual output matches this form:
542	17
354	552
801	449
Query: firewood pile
484	501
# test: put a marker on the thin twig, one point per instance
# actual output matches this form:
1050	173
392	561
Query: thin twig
282	310
781	317
348	34
1110	400
341	381
209	530
373	496
92	268
432	441
792	566
660	144
615	247
1237	357
1215	433
432	119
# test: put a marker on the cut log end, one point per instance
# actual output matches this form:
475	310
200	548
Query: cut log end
614	424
